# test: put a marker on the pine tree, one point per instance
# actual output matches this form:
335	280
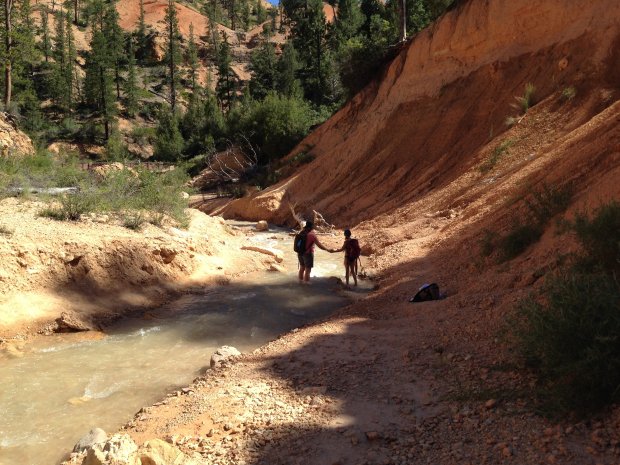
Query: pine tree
68	70
131	85
261	14
76	11
172	51
245	15
193	122
8	52
215	38
99	84
263	66
59	53
348	22
25	51
192	57
96	13
116	43
46	43
288	65
226	87
141	33
169	141
308	27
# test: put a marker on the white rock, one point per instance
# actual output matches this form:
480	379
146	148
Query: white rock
262	226
94	436
223	354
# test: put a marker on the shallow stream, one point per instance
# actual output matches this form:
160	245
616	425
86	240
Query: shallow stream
64	385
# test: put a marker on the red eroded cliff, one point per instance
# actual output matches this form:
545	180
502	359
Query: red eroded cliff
440	107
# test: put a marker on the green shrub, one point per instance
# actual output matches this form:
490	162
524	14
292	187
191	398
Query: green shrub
527	99
143	135
572	339
496	154
600	238
116	149
543	204
568	94
519	239
571	334
40	170
133	220
549	201
71	208
302	158
488	242
160	194
276	124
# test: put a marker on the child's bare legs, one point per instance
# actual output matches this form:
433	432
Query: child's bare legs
302	269
353	272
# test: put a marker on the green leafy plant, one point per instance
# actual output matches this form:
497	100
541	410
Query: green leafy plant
525	101
600	238
548	201
543	204
488	242
496	154
520	237
133	220
568	93
71	208
569	335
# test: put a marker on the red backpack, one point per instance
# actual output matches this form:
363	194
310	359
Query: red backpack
352	249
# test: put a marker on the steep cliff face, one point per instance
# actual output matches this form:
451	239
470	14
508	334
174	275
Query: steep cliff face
441	106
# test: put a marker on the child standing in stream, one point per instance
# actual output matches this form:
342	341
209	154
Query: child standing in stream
352	252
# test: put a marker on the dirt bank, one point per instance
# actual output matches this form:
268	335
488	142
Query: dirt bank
94	270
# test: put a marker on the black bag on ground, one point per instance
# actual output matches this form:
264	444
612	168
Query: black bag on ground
427	292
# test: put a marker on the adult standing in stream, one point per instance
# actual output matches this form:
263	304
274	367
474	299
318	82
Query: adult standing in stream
304	246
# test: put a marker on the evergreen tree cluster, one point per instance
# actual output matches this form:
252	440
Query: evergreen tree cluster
293	85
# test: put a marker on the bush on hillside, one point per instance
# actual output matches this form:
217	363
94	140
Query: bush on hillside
570	335
519	238
600	238
168	139
39	171
135	193
275	125
543	205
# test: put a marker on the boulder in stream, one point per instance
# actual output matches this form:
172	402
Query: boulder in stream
222	355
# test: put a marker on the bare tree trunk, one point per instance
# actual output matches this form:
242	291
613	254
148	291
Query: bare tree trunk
403	19
76	11
8	84
104	103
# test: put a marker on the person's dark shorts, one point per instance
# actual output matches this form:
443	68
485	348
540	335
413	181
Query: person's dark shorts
350	260
306	260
